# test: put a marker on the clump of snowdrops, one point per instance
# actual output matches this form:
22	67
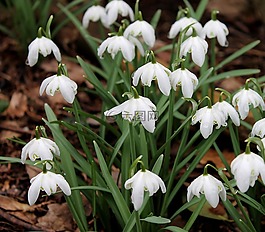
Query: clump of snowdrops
154	105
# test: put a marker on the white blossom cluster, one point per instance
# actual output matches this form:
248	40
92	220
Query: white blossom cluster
45	150
140	34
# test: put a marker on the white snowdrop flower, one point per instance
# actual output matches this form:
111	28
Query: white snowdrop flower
214	28
41	148
229	111
140	108
94	14
208	117
153	71
141	28
258	128
62	83
182	23
137	43
116	7
244	98
246	168
186	79
47	182
143	181
197	46
43	46
208	185
115	44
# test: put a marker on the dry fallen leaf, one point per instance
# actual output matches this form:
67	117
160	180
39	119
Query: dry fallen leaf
18	105
218	213
212	156
11	204
57	218
75	72
32	171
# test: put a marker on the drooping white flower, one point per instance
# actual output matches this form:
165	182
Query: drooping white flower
47	182
141	28
62	83
153	71
246	97
258	128
182	23
41	148
140	108
229	111
208	185
116	7
143	181
246	168
197	46
94	14
208	117
184	78
43	46
115	44
214	28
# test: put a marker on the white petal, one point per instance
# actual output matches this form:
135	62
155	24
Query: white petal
163	81
103	46
211	191
149	125
117	109
63	184
67	88
45	83
34	191
33	53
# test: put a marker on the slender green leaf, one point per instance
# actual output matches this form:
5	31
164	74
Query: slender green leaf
156	220
201	9
68	168
155	19
118	198
191	10
237	54
236	216
174	229
195	213
233	73
252	202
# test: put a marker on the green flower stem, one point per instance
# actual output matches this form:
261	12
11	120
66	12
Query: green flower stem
132	142
234	193
202	148
214	14
136	10
213	63
125	161
37	133
172	52
195	214
138	223
247	151
169	130
44	169
90	158
48	27
127	77
110	86
146	91
176	164
40	31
